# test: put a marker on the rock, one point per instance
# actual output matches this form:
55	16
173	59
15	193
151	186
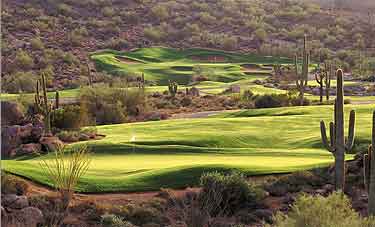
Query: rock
264	214
235	89
320	191
14	201
27	217
329	187
194	91
11	113
50	143
30	148
12	137
84	137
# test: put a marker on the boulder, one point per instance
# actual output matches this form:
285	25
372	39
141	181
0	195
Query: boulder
12	137
11	113
30	148
26	217
14	201
50	143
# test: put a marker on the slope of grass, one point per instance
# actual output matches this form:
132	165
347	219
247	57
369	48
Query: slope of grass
162	64
174	153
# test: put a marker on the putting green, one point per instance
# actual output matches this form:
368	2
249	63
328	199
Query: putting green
174	153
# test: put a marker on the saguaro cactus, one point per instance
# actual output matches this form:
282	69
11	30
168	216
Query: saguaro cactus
319	77
42	104
329	74
337	144
172	87
369	171
302	76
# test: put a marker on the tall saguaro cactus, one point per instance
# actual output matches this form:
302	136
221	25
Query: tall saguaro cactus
337	144
42	104
369	171
302	76
329	74
172	87
320	77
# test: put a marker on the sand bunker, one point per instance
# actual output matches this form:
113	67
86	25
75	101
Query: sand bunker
127	60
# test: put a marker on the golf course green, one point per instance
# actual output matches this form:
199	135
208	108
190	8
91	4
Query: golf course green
160	64
174	153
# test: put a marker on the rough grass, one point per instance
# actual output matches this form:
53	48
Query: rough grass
174	153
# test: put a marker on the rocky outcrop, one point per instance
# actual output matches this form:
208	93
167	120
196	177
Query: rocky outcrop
50	143
12	137
11	113
16	212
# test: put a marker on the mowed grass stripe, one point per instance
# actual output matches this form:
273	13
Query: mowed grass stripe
174	153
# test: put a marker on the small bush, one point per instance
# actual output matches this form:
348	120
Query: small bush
69	136
295	182
110	220
225	194
23	60
271	101
186	101
12	184
112	105
333	211
37	44
141	215
68	117
20	82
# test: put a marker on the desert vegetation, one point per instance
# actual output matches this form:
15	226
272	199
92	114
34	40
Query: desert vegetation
160	113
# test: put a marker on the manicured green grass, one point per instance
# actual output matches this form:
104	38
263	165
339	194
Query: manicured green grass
174	153
162	64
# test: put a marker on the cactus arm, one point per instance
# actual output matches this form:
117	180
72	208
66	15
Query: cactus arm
350	141
57	100
328	145
371	192
332	134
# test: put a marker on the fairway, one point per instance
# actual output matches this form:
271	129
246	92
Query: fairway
174	153
160	64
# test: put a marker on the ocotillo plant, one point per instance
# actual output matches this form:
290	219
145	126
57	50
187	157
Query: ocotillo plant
369	171
319	77
42	104
329	74
172	87
337	144
302	76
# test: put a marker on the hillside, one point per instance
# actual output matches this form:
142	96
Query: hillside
56	36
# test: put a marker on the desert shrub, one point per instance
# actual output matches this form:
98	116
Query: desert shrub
295	182
70	59
23	60
153	34
333	211
141	215
68	117
160	12
68	136
271	101
108	11
112	105
186	101
111	220
247	95
12	185
37	44
20	82
295	101
115	44
224	194
229	42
